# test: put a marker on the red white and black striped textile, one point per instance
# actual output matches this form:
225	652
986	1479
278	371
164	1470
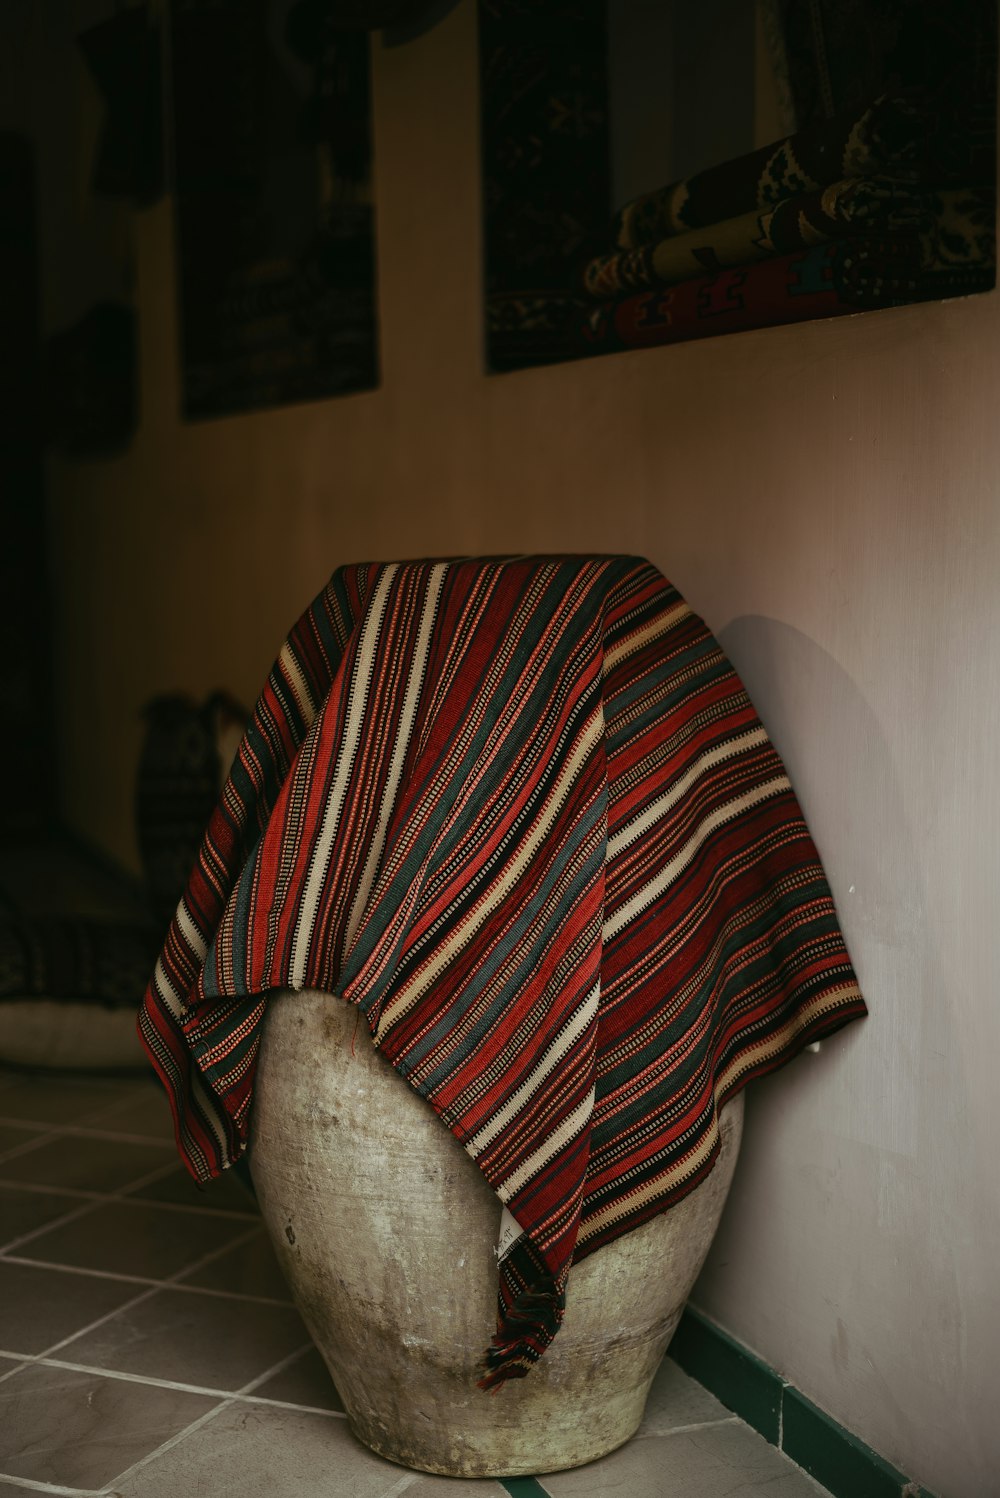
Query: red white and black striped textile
522	813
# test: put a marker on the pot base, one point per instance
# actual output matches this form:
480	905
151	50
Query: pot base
386	1230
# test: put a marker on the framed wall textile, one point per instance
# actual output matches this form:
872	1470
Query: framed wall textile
274	216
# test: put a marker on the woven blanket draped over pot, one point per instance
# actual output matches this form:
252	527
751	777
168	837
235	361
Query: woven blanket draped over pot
522	813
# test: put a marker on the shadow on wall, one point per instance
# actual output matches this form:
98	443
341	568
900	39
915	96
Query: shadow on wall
841	764
845	1175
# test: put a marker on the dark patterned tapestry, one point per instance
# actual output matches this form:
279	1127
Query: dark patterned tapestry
275	229
546	160
840	53
890	147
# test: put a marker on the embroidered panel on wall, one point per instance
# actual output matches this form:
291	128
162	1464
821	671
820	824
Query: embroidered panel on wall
271	114
880	192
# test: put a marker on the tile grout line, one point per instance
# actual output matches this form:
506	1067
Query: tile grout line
34	1486
136	1300
150	1379
18	1151
92	1199
142	1092
134	1185
19	1366
32	1187
45	1188
26	1360
87	1271
684	1430
405	1481
272	1372
58	1222
175	1440
289	1404
139	1279
33	1129
153	1284
82	1131
195	1425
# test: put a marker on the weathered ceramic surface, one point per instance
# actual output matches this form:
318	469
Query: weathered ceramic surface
386	1232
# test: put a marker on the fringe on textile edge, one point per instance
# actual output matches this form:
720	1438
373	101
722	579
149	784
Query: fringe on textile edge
524	1333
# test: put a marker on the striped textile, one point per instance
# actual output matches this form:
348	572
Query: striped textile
522	813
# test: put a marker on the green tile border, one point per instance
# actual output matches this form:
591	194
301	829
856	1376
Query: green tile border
844	1465
832	1455
741	1381
522	1487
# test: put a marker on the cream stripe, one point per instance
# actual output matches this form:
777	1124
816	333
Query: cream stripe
563	1043
679	862
702	764
509	875
297	682
190	931
418	670
176	1006
345	758
207	1102
166	991
553	1144
618	652
651	1190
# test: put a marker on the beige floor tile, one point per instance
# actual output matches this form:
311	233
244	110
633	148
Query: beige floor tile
22	1211
226	1194
13	1137
84	1164
15	1490
306	1381
134	1238
255	1449
675	1399
39	1307
249	1269
55	1100
81	1430
186	1338
721	1461
143	1111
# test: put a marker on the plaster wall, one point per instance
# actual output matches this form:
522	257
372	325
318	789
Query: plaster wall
827	497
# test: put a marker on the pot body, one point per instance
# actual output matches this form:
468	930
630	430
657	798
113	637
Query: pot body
386	1232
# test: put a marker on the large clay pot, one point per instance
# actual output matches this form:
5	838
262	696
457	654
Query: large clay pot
386	1232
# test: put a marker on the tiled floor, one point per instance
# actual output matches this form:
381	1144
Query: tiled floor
148	1347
